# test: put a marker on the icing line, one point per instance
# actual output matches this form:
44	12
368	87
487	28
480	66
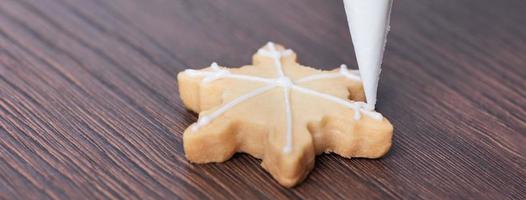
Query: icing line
204	120
288	112
219	73
318	77
356	106
349	74
274	53
285	83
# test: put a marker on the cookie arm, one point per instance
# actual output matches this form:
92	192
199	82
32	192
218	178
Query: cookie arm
196	92
364	138
189	90
210	144
291	168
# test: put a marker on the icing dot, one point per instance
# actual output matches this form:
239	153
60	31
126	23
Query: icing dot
284	82
271	46
214	66
345	72
216	73
357	114
343	68
203	121
270	50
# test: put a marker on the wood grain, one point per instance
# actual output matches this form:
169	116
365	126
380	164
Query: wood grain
89	107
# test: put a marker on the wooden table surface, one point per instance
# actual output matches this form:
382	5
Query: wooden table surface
89	106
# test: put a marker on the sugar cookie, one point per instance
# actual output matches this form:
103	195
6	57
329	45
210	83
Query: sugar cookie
281	112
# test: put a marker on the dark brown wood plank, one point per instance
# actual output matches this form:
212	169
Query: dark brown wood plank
89	105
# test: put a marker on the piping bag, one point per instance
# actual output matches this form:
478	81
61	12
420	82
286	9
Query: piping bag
369	24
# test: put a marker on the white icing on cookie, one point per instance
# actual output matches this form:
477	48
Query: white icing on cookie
204	120
288	115
283	82
272	52
349	74
356	106
218	73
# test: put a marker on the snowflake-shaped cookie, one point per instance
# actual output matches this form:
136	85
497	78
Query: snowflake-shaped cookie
281	112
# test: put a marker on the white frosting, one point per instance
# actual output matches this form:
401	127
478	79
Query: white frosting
369	24
272	52
283	82
356	106
349	74
288	115
218	73
204	120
